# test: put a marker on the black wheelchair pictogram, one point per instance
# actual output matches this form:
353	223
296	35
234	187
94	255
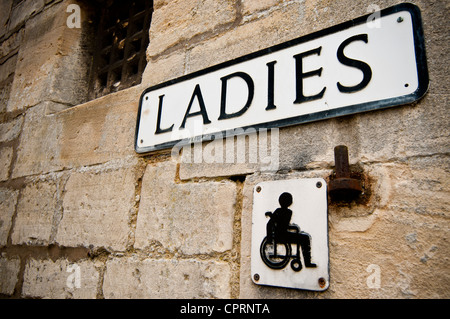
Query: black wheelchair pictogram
276	249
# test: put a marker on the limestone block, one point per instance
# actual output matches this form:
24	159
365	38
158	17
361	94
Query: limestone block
5	88
7	68
95	132
96	209
132	278
100	130
23	11
5	162
420	186
239	155
4	16
35	211
9	271
252	6
192	218
9	46
8	200
281	25
409	251
38	148
164	69
60	279
10	130
56	69
178	21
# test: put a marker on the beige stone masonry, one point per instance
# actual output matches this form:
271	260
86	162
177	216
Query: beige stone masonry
35	211
57	279
10	130
8	201
189	218
5	162
96	209
178	21
92	133
56	70
9	271
166	278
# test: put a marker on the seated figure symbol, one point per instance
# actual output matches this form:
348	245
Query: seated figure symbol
276	247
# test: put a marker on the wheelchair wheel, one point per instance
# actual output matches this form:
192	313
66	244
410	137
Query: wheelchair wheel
275	256
296	264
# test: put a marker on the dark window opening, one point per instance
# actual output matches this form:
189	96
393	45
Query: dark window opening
120	47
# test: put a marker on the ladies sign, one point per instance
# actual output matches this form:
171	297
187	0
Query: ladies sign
349	68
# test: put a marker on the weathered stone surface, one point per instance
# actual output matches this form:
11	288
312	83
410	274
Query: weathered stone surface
95	132
193	218
10	130
96	209
253	6
240	155
281	25
57	69
4	16
10	45
23	11
58	279
166	278
5	162
109	122
7	68
34	71
5	88
177	21
419	186
8	200
35	211
409	250
164	69
38	148
9	271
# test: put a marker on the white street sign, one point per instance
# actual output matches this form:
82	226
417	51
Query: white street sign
352	67
290	234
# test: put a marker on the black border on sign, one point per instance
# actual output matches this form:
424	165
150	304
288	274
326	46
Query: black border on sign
422	72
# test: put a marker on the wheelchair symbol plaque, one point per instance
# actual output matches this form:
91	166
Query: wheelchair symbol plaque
290	234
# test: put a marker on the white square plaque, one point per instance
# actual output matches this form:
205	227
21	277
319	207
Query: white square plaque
290	234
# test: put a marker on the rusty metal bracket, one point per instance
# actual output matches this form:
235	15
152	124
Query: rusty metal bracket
343	187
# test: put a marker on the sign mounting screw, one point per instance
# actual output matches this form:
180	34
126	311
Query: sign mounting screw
322	282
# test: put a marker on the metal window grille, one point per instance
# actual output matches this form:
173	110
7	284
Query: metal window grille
121	43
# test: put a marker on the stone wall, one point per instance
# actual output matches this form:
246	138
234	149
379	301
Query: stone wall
77	203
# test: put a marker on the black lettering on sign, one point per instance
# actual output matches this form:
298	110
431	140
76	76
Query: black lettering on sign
300	97
197	93
223	99
158	123
364	67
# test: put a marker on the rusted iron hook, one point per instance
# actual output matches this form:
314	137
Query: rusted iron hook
343	187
